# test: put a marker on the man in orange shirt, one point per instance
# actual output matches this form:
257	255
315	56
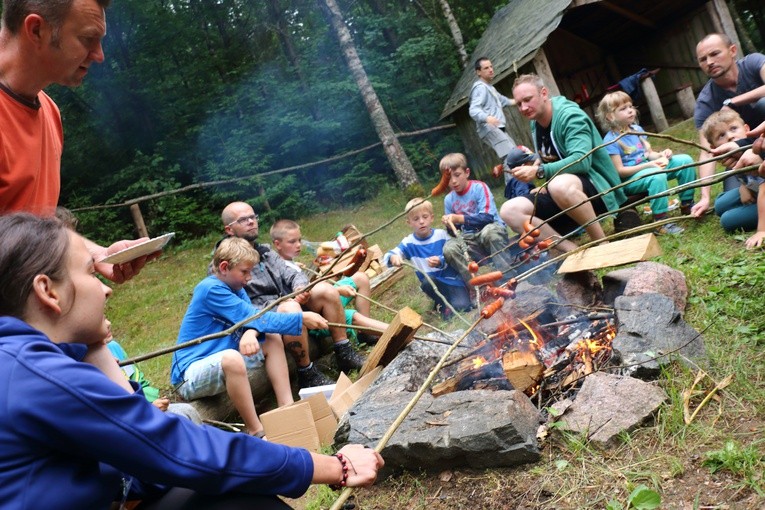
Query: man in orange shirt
43	43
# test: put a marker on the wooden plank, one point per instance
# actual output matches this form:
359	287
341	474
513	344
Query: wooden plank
386	280
543	69
616	253
398	335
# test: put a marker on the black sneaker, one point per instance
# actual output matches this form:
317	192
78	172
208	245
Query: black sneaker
311	377
347	358
364	338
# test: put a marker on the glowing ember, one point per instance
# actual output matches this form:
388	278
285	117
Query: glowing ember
478	362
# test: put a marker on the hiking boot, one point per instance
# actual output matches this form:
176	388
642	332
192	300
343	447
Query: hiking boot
669	228
365	338
310	377
347	358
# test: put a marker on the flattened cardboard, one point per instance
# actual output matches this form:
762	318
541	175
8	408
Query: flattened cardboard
346	393
292	425
323	418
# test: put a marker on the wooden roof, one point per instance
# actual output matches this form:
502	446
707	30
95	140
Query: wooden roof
512	38
520	28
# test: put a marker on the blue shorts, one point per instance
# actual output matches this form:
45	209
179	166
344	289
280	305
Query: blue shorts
205	378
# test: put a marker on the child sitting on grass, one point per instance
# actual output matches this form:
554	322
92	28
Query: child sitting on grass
425	248
636	161
224	364
470	208
287	241
743	207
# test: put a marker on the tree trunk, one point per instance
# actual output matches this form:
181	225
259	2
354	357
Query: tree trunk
393	150
276	15
456	32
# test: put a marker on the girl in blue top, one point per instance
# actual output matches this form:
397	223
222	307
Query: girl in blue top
636	161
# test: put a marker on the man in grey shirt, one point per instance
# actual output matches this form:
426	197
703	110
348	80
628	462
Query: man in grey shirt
486	110
736	84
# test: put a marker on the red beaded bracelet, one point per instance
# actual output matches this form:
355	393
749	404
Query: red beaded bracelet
344	464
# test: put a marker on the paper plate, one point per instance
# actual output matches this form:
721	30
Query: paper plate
139	250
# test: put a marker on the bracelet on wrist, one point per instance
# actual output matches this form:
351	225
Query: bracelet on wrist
344	464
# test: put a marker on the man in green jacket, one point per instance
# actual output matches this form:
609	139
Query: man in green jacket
564	137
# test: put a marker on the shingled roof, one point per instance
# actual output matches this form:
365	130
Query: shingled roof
512	38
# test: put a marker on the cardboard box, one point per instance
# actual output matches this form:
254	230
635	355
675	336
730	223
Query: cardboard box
308	424
346	392
323	419
292	425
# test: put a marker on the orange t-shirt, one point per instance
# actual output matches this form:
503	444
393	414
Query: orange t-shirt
31	143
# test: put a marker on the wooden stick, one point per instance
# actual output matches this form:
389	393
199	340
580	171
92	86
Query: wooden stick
402	416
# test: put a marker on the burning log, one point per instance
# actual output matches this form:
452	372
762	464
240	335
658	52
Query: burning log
482	375
523	369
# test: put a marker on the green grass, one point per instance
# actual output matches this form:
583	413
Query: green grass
725	283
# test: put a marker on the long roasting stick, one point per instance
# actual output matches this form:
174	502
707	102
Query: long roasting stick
413	402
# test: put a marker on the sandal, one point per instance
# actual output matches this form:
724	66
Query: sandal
261	434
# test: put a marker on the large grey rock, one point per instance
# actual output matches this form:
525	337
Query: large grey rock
649	326
655	278
478	428
608	405
581	288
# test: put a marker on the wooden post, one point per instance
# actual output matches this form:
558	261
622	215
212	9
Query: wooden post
398	335
140	226
686	100
543	69
654	104
722	20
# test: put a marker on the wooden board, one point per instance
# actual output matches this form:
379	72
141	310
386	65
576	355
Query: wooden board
616	253
398	335
386	279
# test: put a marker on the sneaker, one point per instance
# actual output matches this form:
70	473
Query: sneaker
347	358
368	339
311	377
669	228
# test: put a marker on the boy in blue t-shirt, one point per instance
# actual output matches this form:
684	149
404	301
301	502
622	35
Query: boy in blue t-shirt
223	364
425	248
471	209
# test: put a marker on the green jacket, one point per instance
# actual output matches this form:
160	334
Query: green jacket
574	134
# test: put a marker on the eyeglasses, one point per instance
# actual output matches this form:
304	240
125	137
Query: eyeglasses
244	220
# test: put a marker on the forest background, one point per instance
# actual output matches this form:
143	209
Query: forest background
198	90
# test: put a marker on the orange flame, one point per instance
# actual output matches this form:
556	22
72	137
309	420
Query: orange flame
534	338
478	362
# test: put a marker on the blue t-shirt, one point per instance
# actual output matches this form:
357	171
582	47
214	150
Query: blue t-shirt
215	307
630	148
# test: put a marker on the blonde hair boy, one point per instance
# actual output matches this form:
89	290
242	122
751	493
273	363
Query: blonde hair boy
418	206
282	228
719	123
234	250
453	161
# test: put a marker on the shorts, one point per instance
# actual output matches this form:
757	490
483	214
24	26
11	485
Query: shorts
205	377
346	281
498	140
564	225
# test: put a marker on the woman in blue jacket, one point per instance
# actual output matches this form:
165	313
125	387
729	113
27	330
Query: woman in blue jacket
71	438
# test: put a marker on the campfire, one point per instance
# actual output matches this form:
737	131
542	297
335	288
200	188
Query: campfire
538	359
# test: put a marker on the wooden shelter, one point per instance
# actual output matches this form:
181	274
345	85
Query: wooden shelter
582	47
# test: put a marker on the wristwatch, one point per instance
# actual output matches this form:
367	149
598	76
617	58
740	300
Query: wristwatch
729	102
540	171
